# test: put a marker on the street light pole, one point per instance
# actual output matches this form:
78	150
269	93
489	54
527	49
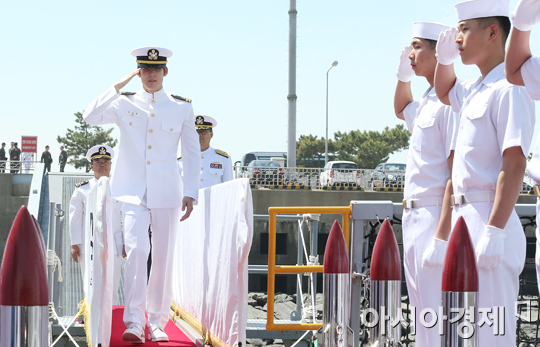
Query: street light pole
326	141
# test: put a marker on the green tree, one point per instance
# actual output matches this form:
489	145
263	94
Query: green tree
310	151
369	148
77	142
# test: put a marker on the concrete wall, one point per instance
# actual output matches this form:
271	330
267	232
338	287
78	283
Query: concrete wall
12	197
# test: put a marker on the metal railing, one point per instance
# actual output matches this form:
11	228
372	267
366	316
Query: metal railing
17	166
317	178
274	269
338	179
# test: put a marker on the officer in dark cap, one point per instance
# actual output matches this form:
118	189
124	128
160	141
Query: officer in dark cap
46	158
2	158
15	158
62	159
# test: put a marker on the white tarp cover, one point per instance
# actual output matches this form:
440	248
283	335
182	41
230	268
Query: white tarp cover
211	260
98	276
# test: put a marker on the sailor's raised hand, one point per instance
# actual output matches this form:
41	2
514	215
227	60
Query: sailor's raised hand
526	14
405	71
125	80
447	48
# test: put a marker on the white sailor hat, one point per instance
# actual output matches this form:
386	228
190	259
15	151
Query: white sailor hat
205	122
428	30
99	151
151	57
473	9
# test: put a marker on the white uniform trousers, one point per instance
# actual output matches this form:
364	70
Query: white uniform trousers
116	274
498	286
423	284
156	297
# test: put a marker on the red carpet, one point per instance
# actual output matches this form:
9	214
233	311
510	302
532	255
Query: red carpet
176	337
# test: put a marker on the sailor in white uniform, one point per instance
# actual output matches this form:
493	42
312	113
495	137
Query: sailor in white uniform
100	157
523	69
433	128
496	128
216	165
146	180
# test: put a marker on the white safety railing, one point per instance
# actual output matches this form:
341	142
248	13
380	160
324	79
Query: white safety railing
17	166
318	178
343	179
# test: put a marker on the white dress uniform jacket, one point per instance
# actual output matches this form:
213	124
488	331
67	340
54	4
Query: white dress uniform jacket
77	212
495	115
216	168
151	127
433	128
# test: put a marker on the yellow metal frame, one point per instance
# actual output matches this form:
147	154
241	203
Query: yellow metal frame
273	269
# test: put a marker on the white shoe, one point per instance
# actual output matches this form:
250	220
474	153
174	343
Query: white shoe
157	334
134	334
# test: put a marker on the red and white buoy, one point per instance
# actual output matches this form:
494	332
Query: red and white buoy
24	290
335	330
385	294
459	290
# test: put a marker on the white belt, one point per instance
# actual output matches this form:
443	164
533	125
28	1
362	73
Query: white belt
462	199
423	202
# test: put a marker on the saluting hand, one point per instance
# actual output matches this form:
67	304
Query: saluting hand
405	71
125	80
447	48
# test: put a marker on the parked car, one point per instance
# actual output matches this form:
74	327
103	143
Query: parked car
240	166
391	174
340	173
264	172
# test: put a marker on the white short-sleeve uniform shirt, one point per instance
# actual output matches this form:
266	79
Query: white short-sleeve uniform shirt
433	127
494	115
530	71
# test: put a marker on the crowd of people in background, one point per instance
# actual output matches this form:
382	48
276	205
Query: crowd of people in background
19	162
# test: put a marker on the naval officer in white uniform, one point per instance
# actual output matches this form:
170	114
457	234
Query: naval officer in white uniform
100	157
146	180
496	128
216	165
523	69
433	128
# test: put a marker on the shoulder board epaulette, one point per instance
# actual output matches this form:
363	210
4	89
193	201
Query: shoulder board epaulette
127	93
181	98
220	152
179	157
81	184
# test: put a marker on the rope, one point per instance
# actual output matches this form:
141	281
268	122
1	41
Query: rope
53	260
309	311
54	315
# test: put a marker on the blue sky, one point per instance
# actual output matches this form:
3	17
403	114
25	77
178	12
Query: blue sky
230	57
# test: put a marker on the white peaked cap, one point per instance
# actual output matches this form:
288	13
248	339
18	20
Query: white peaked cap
163	52
428	30
204	122
100	151
482	8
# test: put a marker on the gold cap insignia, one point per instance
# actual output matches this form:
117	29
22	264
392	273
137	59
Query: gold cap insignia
153	54
102	150
200	120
